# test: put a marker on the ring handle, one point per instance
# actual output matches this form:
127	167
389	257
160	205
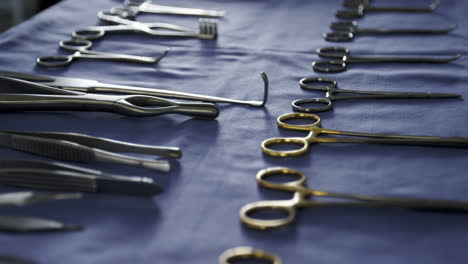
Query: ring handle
343	25
252	222
327	84
76	44
339	36
247	253
329	66
54	61
327	105
268	143
298	116
262	178
333	52
350	13
89	33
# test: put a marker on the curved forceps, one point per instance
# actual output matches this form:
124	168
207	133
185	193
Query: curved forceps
315	130
330	87
33	97
344	31
341	57
208	28
358	9
301	194
132	8
247	253
81	48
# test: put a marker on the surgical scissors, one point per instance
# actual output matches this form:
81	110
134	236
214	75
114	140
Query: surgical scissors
301	194
81	50
132	8
315	130
344	31
330	87
208	28
247	253
20	95
341	57
92	86
358	9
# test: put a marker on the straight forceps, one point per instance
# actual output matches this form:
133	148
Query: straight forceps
315	130
341	57
20	95
344	31
81	50
63	177
88	149
358	9
207	28
92	86
132	8
299	200
329	86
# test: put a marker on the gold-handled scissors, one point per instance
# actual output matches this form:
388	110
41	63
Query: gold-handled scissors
330	87
81	49
247	253
340	57
301	194
315	130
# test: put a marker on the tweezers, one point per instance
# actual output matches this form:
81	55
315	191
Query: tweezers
20	95
64	177
84	148
92	86
22	224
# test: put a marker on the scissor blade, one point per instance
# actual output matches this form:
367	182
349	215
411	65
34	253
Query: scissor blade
20	224
26	198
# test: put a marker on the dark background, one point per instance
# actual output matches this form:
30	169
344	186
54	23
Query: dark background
13	12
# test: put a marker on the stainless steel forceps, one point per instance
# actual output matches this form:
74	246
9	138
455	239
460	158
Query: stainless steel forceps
81	48
340	57
344	31
58	176
330	87
133	7
92	86
22	224
357	9
20	95
208	28
88	149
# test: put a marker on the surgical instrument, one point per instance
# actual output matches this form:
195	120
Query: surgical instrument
358	9
301	194
20	95
344	31
22	224
315	130
92	86
63	177
84	148
27	198
208	28
341	57
132	8
238	253
330	87
81	49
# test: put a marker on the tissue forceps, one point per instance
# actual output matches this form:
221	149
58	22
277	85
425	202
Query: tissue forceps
23	224
132	8
341	57
301	194
28	96
81	49
358	9
64	177
92	86
247	253
315	130
330	87
208	28
344	31
88	149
